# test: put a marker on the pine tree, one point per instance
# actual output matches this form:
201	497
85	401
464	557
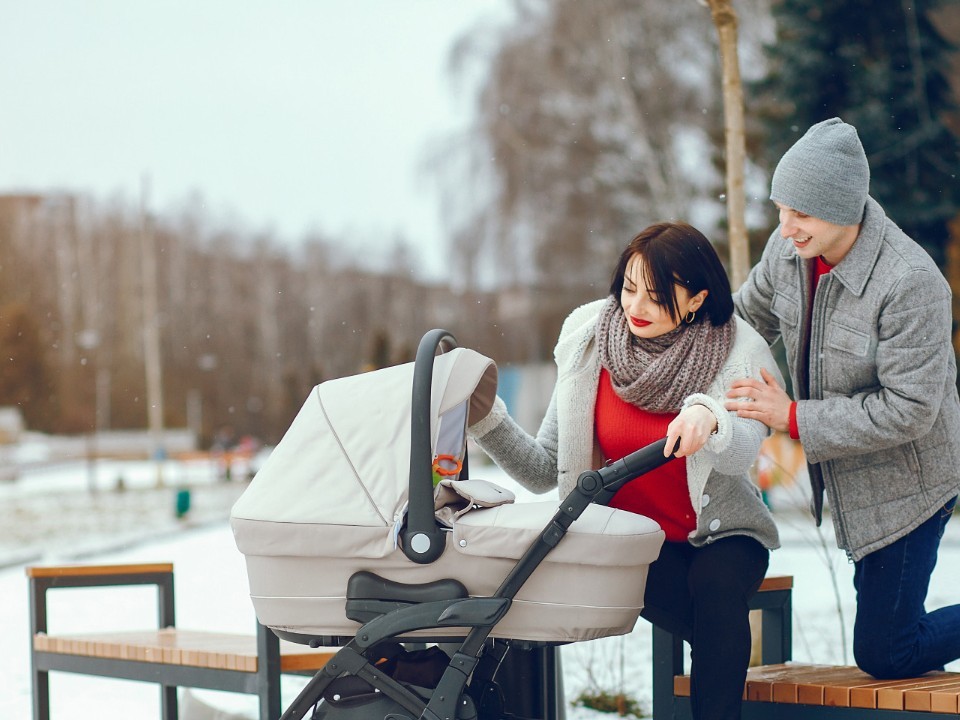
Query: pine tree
882	67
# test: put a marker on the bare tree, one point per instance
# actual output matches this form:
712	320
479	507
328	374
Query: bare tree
592	123
725	20
246	327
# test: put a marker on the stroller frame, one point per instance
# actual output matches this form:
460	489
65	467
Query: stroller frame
390	611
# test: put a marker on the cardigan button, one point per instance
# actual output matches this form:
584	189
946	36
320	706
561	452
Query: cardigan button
705	500
714	525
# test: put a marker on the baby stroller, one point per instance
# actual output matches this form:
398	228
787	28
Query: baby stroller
364	531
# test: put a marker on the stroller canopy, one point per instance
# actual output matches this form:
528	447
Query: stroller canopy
345	460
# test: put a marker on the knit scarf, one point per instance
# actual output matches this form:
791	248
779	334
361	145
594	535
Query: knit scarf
657	374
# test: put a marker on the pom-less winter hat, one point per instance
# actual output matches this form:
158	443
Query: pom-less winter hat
825	174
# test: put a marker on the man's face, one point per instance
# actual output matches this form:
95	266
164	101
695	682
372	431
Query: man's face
814	237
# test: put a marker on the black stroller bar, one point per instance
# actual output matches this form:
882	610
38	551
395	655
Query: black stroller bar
592	486
617	474
422	537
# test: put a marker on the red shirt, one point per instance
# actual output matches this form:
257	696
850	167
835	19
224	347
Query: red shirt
660	494
820	268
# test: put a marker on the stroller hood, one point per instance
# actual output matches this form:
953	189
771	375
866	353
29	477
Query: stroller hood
345	460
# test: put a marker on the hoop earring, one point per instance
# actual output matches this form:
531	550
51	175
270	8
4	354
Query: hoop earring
690	317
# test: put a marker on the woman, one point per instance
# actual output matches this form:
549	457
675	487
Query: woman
655	359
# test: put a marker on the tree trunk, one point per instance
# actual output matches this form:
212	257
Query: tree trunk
725	20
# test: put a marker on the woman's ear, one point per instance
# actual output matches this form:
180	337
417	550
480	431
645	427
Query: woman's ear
697	300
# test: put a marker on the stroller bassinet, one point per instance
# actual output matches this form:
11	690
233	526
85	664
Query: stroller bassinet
340	536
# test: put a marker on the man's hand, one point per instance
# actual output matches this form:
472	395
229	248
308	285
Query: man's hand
692	427
770	402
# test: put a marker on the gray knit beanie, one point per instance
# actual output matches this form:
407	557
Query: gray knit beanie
825	174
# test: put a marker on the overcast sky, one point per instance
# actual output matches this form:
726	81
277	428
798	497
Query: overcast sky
289	114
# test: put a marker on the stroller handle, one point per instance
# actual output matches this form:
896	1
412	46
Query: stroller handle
614	476
423	540
593	486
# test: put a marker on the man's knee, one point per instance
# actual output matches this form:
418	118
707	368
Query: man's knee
874	656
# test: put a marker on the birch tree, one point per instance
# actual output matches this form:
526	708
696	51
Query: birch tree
725	20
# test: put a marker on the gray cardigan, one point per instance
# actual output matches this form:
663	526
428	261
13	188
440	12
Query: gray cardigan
879	420
725	500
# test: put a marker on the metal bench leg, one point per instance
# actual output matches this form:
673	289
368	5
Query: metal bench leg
268	673
38	623
667	662
777	631
169	709
41	695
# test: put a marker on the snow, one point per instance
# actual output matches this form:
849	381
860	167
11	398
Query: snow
50	517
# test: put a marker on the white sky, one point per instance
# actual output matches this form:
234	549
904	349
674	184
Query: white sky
288	115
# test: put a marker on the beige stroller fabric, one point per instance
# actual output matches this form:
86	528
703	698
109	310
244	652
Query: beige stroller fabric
455	498
331	497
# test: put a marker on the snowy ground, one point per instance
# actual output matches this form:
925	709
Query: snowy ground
51	517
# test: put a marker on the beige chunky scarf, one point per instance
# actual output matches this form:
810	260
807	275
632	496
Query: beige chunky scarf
657	374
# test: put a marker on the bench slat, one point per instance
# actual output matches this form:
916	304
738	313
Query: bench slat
224	651
922	697
894	697
868	695
819	690
844	686
776	582
786	689
90	570
945	700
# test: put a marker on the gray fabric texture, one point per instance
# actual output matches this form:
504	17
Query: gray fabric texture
880	418
722	495
825	174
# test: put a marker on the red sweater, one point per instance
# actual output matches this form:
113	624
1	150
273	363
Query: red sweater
661	494
820	268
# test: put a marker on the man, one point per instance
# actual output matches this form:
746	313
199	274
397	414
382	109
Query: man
865	317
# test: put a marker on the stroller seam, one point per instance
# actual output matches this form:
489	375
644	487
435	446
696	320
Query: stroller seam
356	475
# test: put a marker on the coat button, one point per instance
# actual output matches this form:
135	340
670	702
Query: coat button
705	500
714	525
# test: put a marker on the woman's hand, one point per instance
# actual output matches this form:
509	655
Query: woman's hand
692	427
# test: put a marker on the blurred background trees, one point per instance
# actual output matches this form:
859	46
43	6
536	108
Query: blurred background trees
592	120
247	326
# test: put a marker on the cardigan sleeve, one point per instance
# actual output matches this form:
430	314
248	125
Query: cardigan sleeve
735	445
531	461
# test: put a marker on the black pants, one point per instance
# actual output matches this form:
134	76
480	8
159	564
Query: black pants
702	594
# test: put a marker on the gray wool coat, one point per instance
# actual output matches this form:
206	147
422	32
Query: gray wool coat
725	500
879	419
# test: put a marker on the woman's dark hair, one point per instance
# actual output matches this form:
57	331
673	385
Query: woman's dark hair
676	253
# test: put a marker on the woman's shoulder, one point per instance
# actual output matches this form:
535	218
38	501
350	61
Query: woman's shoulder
577	330
750	352
746	336
748	346
746	339
585	315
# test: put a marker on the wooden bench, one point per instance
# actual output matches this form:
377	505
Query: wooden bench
784	690
169	656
